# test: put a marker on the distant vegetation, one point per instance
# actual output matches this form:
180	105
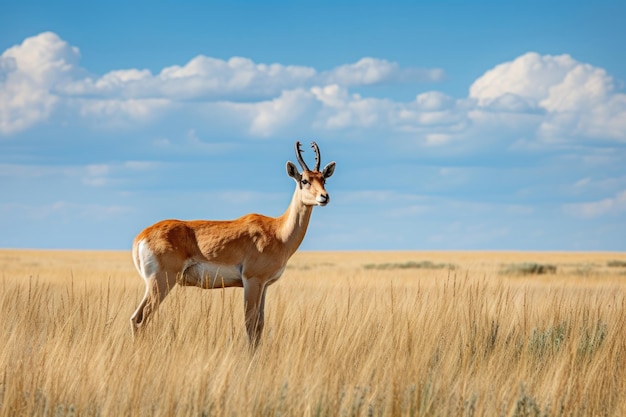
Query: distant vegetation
528	268
616	264
410	265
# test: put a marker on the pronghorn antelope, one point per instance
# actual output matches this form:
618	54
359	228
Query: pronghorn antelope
250	252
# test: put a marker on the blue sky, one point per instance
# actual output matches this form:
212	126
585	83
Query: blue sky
454	125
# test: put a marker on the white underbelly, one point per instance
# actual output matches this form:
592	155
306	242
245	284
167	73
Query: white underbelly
209	275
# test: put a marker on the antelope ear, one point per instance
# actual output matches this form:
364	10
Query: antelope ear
292	171
328	170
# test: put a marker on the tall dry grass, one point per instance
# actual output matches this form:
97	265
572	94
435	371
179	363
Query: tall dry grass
340	339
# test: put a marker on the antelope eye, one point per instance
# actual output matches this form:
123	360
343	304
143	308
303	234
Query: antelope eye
305	182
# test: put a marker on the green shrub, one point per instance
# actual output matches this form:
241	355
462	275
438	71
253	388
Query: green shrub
529	268
546	341
592	338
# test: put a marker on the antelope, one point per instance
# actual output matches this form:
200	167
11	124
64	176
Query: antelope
250	252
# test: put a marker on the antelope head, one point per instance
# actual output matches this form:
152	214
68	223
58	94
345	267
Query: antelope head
311	182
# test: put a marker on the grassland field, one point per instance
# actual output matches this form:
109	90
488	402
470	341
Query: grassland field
346	334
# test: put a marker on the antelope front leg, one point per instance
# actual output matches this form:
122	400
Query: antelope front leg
254	305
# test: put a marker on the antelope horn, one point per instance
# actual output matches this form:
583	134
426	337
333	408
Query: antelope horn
318	158
299	156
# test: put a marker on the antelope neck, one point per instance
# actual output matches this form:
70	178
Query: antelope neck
294	221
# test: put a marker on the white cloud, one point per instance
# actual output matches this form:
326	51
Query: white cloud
43	73
606	206
115	113
37	75
285	111
343	110
530	76
532	101
291	109
28	74
434	109
369	71
206	78
364	72
202	78
575	99
239	74
434	101
44	59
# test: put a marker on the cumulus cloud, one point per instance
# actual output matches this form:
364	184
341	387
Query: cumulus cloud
369	71
434	101
202	78
428	113
574	99
43	74
530	76
291	109
531	100
37	76
433	113
239	78
28	73
44	59
344	110
115	113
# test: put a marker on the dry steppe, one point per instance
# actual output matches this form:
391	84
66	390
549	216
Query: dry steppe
347	334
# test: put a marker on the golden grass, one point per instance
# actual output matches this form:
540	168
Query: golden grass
340	339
